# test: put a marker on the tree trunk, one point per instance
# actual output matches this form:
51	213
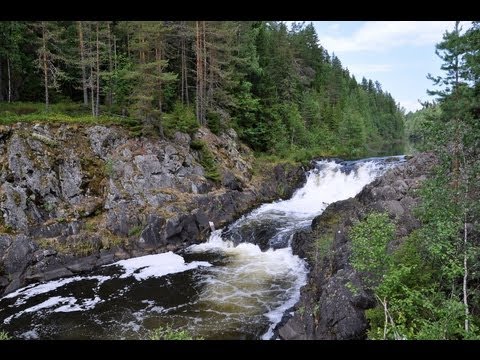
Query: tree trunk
82	62
9	81
158	55
92	88
199	73
204	76
45	64
182	67
1	84
114	63
109	99
465	272
98	76
142	50
465	241
184	72
128	44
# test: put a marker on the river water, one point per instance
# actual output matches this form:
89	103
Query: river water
237	285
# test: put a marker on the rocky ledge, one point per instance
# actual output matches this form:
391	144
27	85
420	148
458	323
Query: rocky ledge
76	197
327	308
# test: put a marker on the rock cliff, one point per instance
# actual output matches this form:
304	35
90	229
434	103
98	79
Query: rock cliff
75	197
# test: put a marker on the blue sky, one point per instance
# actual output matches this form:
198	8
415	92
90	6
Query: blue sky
399	54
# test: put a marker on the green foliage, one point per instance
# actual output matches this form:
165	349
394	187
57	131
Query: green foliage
206	160
72	113
282	91
48	206
197	144
182	118
370	238
109	168
214	122
4	335
320	248
168	333
76	248
135	230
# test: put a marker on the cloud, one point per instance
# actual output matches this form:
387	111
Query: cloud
410	105
369	68
384	35
334	28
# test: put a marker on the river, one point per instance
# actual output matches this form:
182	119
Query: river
237	285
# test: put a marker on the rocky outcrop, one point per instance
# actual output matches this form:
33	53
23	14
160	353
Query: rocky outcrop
75	197
333	303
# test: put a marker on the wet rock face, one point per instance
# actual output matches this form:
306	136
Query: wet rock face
333	303
76	197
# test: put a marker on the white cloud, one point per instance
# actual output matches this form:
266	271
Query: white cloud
410	105
384	35
334	28
369	68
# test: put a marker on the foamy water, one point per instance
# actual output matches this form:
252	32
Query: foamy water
237	285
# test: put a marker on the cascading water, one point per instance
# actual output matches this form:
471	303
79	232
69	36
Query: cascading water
237	285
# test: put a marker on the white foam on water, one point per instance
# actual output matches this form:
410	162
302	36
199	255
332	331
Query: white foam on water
49	303
269	282
324	186
215	242
72	305
42	288
156	265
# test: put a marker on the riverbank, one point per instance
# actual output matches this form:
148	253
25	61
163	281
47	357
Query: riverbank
332	305
75	197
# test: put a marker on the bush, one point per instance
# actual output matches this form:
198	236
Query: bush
369	244
182	118
206	160
4	336
168	333
214	122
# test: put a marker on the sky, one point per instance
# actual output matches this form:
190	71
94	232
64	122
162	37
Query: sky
399	54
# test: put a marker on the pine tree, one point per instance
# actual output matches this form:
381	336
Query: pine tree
50	58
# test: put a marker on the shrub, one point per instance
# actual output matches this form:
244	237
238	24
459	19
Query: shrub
168	333
4	335
182	118
206	160
369	244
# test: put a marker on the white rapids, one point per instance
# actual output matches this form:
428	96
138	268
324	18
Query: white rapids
269	282
237	285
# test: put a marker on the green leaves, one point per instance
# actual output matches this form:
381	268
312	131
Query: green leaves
369	243
168	333
182	118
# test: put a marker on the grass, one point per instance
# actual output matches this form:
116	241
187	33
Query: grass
206	160
110	241
4	335
321	248
109	170
135	231
168	333
6	229
74	113
80	248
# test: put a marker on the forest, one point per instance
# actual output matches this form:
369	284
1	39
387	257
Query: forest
429	288
277	87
